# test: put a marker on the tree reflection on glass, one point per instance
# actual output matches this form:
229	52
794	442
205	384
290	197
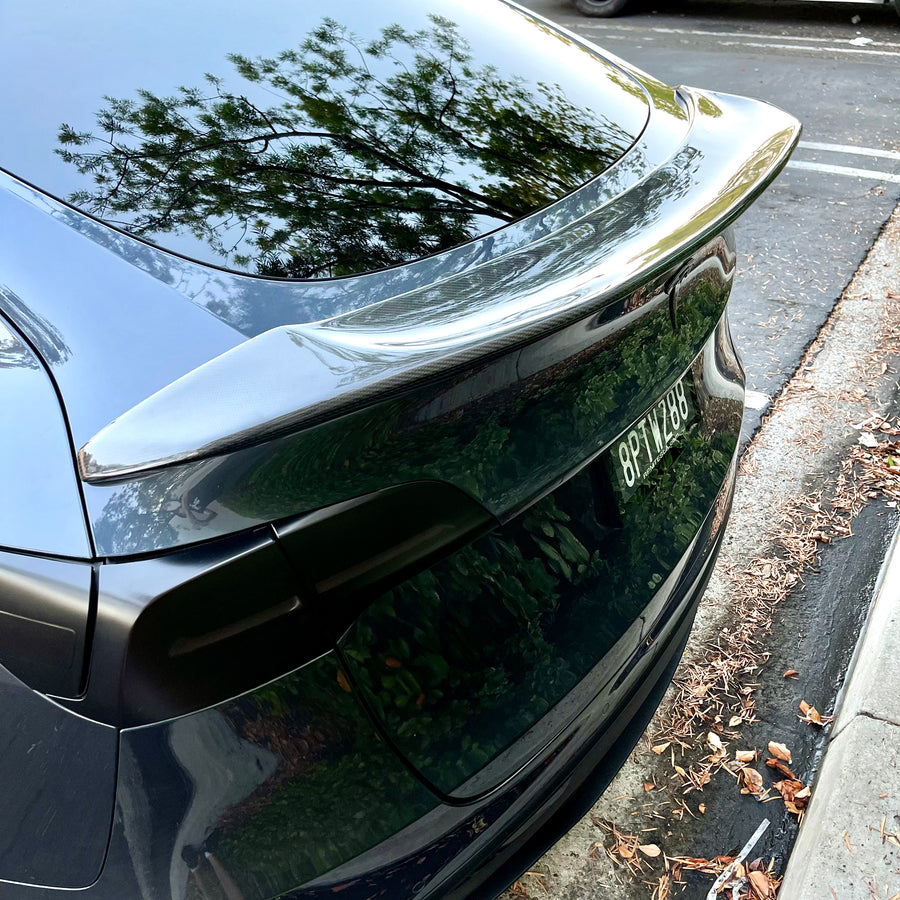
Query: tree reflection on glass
374	153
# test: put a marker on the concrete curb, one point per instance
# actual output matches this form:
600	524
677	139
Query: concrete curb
849	844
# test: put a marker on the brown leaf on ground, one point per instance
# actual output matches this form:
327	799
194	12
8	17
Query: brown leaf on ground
734	721
780	751
791	673
761	886
745	756
702	809
752	780
661	748
648	786
650	850
714	742
781	767
788	788
812	716
794	794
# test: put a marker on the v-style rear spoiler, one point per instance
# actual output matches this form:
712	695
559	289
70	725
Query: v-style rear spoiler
638	220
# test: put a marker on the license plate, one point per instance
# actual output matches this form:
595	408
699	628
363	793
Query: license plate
636	453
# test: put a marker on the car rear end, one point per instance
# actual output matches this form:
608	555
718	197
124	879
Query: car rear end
372	600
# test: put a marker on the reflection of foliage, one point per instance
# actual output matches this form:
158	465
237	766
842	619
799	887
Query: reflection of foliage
337	792
378	153
503	446
462	659
43	335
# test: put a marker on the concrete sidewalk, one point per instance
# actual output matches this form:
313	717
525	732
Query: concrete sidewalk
849	844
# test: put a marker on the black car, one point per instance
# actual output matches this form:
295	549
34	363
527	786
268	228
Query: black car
606	9
370	428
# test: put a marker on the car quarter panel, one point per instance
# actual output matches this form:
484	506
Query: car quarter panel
43	510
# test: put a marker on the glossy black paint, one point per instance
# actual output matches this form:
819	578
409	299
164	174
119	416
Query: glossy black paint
169	629
502	429
459	662
243	793
58	777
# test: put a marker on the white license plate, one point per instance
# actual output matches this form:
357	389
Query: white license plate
636	453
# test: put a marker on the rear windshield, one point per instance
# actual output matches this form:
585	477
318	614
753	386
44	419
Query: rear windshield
305	140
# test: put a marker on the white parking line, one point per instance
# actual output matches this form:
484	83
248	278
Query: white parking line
849	149
772	46
765	45
760	35
847	171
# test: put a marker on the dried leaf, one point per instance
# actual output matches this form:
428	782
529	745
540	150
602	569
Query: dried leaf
780	751
734	721
650	850
762	887
745	756
788	788
648	786
714	742
702	808
791	673
781	767
661	748
867	439
753	781
810	714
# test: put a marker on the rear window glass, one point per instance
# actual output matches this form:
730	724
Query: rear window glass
306	140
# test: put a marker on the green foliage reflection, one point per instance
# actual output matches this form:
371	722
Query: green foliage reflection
462	659
376	153
337	790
